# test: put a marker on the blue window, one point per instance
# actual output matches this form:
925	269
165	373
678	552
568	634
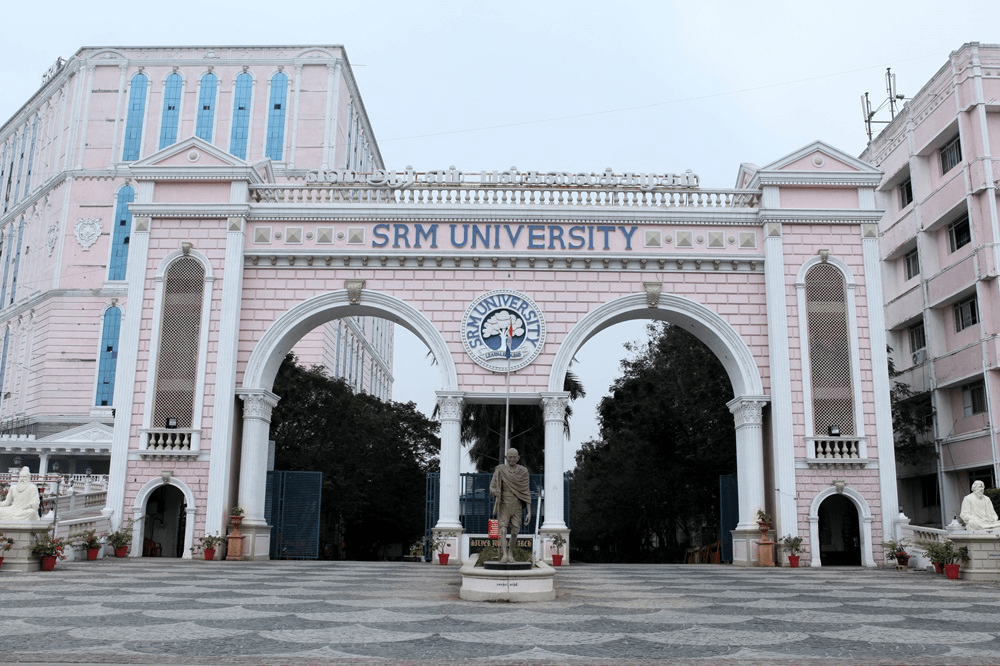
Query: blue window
206	107
4	175
241	116
31	155
171	110
123	229
108	358
276	117
136	114
17	261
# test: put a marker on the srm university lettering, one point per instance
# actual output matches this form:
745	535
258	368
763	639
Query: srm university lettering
503	236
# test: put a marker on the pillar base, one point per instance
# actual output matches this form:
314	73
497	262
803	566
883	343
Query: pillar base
256	542
745	549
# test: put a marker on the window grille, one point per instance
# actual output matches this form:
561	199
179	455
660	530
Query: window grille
912	263
951	155
177	365
829	350
974	398
966	313
918	339
959	233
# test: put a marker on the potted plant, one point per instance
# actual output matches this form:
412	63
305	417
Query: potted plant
792	544
236	515
937	552
120	539
48	549
91	542
955	556
6	543
438	543
209	544
896	551
764	521
558	541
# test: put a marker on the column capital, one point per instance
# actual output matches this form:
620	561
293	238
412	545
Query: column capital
554	405
450	406
748	410
257	403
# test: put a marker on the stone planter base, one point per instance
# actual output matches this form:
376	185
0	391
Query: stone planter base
479	584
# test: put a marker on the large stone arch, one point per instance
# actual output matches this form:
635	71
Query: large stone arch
139	513
736	357
258	400
864	515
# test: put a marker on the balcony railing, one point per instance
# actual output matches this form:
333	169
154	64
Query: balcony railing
836	449
169	440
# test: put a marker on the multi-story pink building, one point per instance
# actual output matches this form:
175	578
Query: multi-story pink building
940	238
192	214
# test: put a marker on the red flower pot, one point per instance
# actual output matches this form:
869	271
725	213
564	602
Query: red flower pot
48	562
951	571
793	561
92	553
556	560
939	567
209	553
1	561
121	551
443	558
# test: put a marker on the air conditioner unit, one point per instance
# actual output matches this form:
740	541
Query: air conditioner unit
919	356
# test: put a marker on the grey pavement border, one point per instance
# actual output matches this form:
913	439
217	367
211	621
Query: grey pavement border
164	611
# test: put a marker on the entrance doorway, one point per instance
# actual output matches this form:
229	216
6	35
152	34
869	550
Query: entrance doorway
839	532
163	531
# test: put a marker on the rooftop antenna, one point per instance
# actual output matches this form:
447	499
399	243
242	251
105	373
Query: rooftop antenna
892	97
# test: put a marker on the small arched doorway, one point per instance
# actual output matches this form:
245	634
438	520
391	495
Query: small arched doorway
165	522
839	532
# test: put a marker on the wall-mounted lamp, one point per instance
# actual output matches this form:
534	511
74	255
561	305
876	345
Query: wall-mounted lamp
834	431
171	423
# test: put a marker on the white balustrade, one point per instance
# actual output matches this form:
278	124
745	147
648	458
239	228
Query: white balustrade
836	448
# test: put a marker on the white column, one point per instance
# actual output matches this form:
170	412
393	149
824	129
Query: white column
43	463
450	414
783	443
748	412
880	378
554	410
257	406
224	410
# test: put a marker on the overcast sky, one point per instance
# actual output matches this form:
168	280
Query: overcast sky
549	85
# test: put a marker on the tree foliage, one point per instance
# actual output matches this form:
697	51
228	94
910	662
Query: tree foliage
911	421
652	481
483	427
374	457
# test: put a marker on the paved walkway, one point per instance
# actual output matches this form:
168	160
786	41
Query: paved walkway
144	611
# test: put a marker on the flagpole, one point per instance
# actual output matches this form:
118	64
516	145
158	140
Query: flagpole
506	415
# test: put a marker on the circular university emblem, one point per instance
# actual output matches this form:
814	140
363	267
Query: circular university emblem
503	330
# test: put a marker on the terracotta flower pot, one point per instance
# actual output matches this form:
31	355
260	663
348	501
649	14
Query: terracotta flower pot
556	560
121	551
443	558
237	521
939	567
951	571
92	553
793	561
48	562
209	553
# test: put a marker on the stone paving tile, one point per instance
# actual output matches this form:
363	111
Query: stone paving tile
144	611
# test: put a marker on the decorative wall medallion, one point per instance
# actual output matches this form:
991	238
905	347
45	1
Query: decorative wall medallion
503	329
87	232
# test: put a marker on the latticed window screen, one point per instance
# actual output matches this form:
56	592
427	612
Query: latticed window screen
177	365
829	350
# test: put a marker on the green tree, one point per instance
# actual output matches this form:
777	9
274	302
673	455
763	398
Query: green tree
652	481
374	457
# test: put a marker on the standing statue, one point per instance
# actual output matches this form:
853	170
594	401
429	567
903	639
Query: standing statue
22	500
510	488
978	513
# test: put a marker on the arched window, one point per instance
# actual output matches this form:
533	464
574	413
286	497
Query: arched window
276	117
171	110
136	114
108	358
829	350
206	107
241	116
123	229
180	327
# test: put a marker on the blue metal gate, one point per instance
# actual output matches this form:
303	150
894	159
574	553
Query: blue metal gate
729	513
291	508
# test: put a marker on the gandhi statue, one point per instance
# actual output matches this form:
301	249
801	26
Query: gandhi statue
22	500
510	488
978	513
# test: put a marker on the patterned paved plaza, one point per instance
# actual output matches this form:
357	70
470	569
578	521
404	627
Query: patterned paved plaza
194	612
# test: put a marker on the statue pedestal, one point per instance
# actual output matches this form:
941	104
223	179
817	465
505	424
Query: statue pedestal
983	565
534	584
19	558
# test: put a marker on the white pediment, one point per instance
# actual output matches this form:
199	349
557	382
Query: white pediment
89	434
